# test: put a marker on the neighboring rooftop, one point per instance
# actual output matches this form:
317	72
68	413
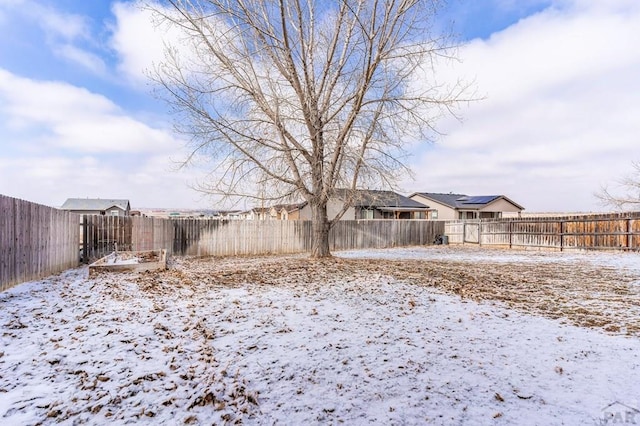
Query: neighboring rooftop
91	204
379	198
290	207
458	201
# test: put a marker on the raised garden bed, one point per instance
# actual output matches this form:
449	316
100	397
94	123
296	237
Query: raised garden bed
137	261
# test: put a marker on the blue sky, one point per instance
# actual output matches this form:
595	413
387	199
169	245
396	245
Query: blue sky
560	118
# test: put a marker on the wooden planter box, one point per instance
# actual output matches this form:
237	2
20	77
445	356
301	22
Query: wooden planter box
130	261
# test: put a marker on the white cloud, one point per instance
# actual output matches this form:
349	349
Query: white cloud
64	32
63	141
86	59
560	117
74	118
59	25
141	39
137	41
50	180
559	120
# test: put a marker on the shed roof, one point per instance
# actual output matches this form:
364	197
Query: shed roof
91	204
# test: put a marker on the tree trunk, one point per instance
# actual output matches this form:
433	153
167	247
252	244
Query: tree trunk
320	236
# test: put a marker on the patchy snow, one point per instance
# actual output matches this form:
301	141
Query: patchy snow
474	253
278	340
118	261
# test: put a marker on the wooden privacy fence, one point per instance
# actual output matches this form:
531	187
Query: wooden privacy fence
35	241
102	235
364	234
197	237
245	237
620	231
212	237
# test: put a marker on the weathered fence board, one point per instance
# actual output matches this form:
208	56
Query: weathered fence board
472	232
223	238
619	231
35	241
363	234
212	237
150	233
104	234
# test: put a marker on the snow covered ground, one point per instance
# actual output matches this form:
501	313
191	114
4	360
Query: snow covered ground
287	340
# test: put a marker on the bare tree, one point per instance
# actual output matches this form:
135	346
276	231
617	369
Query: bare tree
627	194
297	98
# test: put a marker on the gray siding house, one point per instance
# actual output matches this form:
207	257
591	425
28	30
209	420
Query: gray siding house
97	206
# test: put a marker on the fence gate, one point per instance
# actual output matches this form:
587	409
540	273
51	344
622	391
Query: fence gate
103	234
472	232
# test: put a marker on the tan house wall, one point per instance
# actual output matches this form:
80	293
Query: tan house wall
289	215
294	215
305	213
500	205
254	215
447	213
333	208
444	212
274	214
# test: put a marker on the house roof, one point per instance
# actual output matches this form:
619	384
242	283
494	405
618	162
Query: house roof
462	201
90	204
381	199
446	199
289	207
260	210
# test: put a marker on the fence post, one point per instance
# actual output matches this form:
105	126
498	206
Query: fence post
629	236
510	234
85	254
562	229
464	232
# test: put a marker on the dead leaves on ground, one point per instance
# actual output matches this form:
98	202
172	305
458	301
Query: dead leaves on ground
583	294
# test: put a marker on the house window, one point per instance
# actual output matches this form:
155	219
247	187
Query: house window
114	213
434	214
367	213
489	215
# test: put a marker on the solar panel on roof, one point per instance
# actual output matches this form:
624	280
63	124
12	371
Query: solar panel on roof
480	199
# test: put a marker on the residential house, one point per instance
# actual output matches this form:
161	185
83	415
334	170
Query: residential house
229	214
257	213
286	211
370	204
460	206
98	206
